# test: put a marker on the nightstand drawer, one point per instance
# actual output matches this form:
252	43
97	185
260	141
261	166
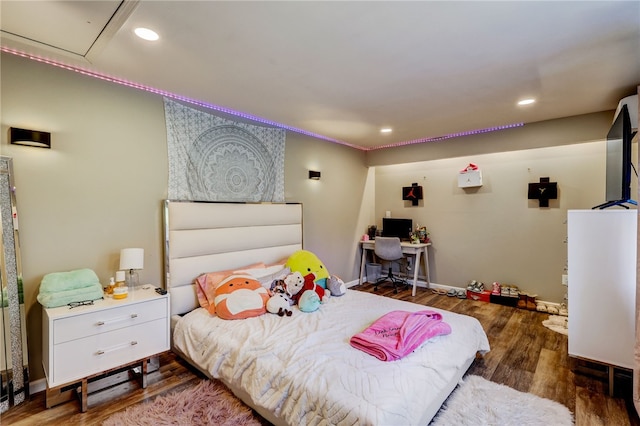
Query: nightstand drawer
103	351
105	320
98	339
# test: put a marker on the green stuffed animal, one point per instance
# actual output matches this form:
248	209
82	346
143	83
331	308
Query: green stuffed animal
309	301
306	262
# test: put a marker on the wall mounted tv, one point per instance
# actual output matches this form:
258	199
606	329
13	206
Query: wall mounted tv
394	227
619	165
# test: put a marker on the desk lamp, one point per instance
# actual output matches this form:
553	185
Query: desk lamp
132	259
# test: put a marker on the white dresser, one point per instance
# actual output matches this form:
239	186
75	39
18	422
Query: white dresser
602	286
85	341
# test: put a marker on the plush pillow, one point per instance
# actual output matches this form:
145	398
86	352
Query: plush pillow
309	301
336	286
239	296
268	275
207	283
306	263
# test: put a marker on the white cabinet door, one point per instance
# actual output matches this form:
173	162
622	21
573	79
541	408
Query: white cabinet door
602	285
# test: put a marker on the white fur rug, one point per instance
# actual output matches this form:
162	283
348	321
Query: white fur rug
207	403
479	402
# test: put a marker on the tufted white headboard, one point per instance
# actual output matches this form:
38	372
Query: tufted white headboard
204	237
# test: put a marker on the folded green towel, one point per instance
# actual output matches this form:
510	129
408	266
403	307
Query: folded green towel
61	298
63	281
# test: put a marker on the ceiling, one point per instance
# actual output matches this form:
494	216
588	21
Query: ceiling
344	69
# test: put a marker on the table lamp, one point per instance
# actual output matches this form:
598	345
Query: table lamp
132	259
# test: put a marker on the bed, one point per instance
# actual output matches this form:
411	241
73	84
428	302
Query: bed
300	369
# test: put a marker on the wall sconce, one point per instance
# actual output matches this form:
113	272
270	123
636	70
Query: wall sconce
314	175
29	138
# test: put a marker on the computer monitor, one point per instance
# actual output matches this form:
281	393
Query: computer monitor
394	227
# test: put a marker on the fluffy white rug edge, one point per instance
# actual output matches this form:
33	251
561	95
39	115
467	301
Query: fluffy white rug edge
208	402
477	401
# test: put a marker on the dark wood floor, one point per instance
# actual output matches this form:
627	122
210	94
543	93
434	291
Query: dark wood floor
524	355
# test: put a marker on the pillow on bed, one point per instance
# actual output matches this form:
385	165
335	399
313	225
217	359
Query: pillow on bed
207	283
268	274
239	296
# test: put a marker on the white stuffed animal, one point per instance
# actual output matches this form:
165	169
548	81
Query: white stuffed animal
294	283
279	304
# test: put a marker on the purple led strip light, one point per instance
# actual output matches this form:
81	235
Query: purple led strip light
242	114
449	136
171	95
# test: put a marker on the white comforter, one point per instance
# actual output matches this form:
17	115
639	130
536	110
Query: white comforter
302	370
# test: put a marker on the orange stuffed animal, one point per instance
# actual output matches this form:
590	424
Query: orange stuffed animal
239	297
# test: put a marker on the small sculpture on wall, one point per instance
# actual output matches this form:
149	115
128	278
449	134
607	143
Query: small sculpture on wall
543	191
470	177
412	193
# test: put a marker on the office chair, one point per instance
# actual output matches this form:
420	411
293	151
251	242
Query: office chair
390	250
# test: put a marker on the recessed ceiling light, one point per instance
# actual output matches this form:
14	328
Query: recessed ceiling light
146	34
386	130
526	101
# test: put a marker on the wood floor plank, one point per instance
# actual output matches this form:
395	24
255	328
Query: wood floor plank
550	378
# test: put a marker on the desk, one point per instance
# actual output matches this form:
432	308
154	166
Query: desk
407	248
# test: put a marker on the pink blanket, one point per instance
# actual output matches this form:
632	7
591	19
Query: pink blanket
399	333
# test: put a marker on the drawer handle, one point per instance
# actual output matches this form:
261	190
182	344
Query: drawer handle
115	348
132	316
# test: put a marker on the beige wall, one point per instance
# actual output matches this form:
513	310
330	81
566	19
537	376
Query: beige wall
494	233
100	188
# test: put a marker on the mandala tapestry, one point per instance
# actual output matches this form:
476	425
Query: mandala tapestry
215	159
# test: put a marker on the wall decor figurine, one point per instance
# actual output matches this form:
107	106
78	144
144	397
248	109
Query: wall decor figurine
412	193
470	177
543	191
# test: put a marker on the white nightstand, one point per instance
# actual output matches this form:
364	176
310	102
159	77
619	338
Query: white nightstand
87	341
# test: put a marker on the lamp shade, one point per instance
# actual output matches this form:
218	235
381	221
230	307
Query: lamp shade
131	258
